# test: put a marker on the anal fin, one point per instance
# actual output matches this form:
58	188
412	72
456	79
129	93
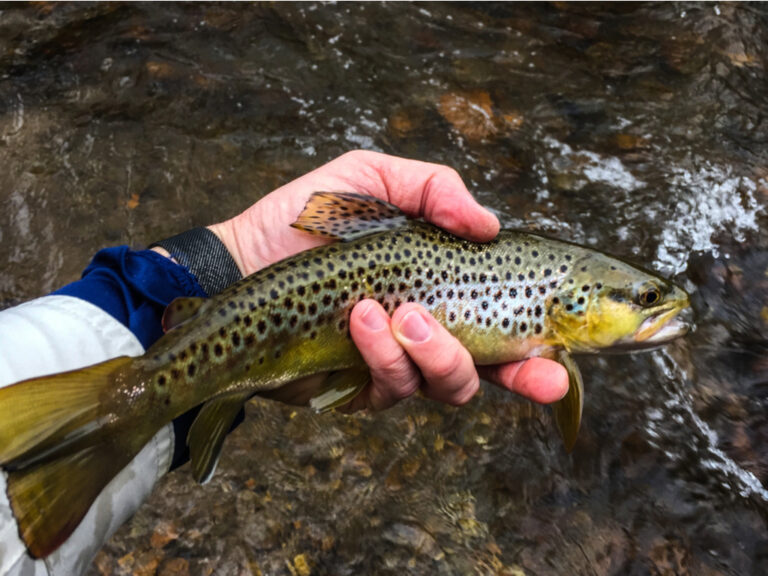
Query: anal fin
207	433
568	409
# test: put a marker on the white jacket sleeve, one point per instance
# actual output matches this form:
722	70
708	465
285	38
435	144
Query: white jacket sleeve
54	334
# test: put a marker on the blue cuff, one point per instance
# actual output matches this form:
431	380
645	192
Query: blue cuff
134	287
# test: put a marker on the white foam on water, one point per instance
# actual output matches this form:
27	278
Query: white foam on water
680	406
712	201
592	166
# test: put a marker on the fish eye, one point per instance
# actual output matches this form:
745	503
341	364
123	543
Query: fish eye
649	297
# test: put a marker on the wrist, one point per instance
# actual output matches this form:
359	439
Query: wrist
226	233
205	255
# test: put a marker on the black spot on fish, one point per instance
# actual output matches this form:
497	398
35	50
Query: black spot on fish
218	350
235	339
505	323
191	370
273	294
161	380
261	326
563	268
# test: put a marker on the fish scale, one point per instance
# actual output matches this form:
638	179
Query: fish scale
518	296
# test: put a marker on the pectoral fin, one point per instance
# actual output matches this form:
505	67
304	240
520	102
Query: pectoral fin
347	215
568	410
207	433
340	388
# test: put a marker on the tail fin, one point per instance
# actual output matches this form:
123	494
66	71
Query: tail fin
57	462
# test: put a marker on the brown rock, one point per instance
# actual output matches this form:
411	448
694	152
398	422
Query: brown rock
174	567
471	113
164	532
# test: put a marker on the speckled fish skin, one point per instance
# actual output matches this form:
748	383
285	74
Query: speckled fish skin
518	296
292	319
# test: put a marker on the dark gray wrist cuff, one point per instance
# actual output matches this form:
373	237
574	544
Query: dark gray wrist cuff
205	255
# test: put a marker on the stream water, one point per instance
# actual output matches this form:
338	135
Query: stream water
641	129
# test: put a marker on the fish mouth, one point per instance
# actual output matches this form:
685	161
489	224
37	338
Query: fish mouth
661	327
658	329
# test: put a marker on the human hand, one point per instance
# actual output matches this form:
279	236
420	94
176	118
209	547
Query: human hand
411	349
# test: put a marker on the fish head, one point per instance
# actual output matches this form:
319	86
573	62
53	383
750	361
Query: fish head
607	304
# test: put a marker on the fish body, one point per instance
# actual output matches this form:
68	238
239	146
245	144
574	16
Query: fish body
518	296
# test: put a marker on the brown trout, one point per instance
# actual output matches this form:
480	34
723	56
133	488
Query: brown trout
64	437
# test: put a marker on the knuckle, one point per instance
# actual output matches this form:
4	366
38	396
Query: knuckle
447	364
466	392
399	378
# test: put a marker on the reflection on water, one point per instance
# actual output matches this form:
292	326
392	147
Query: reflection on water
640	129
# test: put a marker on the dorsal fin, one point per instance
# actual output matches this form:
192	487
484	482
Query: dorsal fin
347	216
180	310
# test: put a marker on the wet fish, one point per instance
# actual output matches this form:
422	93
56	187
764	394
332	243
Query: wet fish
64	437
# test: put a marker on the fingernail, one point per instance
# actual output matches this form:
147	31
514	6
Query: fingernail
373	319
415	327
